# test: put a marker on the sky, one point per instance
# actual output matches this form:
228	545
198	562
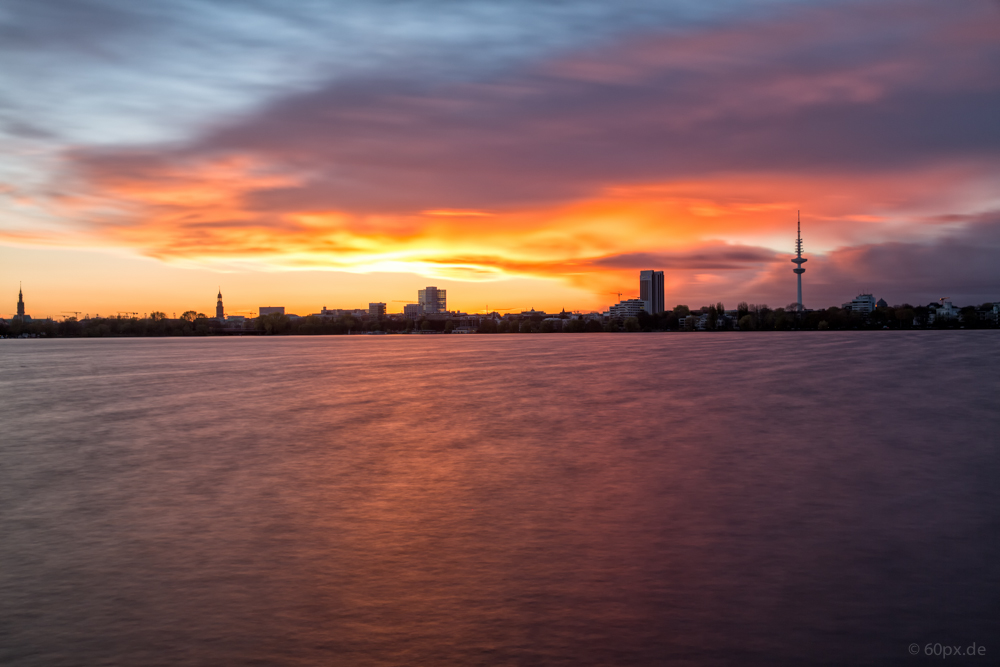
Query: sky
520	154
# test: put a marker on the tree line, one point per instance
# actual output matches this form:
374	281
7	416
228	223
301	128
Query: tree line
748	317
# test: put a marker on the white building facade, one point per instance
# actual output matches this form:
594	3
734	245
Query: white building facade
862	303
626	308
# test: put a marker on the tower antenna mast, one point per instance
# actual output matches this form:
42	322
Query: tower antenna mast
799	260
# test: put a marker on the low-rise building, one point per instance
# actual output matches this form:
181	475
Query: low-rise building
376	310
554	323
271	310
862	303
626	308
943	310
695	321
334	313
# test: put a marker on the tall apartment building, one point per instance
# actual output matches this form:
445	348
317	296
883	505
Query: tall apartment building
376	310
433	300
651	291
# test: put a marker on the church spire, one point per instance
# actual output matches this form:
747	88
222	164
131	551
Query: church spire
219	311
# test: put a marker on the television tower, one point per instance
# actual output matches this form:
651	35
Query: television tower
799	260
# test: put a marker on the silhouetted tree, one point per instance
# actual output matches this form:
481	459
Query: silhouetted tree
713	317
969	317
272	324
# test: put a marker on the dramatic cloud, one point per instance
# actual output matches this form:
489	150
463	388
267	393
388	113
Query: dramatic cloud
961	265
687	144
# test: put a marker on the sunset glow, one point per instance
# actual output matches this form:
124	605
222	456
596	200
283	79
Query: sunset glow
557	169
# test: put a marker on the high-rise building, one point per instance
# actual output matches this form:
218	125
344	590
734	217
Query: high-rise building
376	310
433	300
651	291
799	260
219	312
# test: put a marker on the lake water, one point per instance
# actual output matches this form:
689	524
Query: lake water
593	499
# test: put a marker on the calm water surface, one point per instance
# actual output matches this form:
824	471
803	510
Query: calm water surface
566	499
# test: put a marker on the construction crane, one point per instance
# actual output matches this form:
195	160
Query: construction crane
76	313
401	301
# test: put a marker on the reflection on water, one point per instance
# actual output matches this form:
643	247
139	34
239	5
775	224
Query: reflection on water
498	500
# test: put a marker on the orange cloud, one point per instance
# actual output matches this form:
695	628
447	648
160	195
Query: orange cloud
690	152
706	233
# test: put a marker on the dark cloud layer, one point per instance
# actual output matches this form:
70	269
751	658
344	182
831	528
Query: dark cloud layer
709	257
962	265
864	89
566	141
